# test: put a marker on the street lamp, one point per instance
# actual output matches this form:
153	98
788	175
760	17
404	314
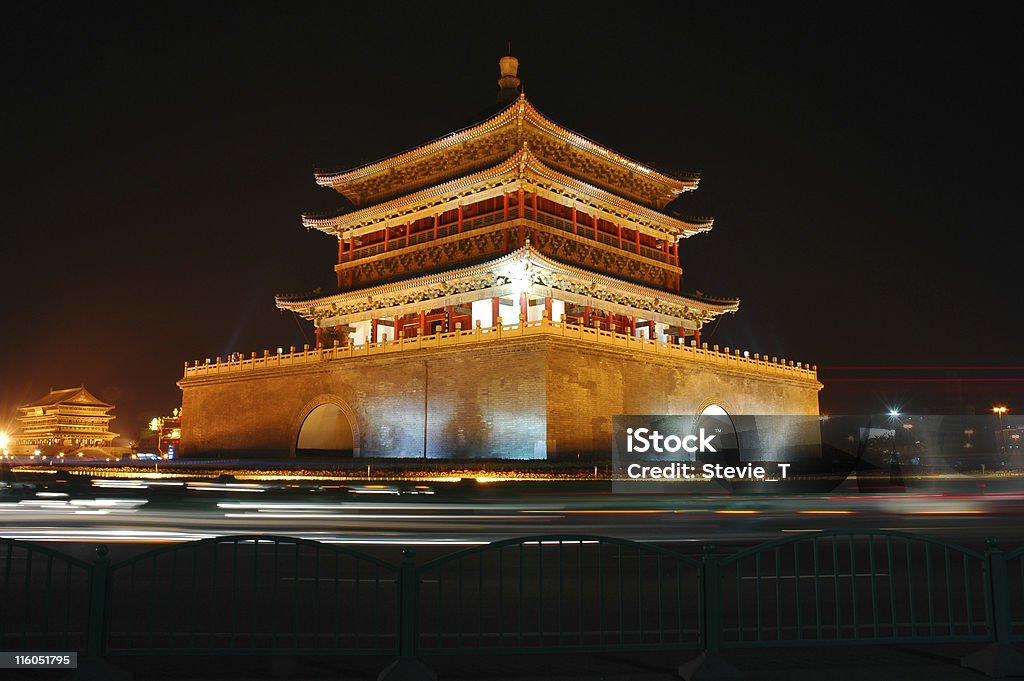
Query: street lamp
894	415
999	411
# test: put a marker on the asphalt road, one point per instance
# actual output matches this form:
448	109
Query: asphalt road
90	510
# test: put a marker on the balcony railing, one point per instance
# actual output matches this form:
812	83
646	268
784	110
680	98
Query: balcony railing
734	360
494	217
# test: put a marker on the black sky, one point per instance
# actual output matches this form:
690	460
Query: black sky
863	163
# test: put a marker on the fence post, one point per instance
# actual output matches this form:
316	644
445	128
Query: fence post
408	597
709	665
98	605
998	658
407	667
93	667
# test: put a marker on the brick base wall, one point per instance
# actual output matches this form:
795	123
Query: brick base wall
535	397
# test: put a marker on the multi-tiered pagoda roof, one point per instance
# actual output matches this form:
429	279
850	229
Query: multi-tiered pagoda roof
497	139
423	227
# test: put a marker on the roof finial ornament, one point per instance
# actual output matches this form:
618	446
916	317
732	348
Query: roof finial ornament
509	81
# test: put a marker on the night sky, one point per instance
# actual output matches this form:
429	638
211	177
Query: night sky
863	163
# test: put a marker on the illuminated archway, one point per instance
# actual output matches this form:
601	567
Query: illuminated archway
713	416
713	409
327	426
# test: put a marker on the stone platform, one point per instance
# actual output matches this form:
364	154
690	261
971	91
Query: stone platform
531	390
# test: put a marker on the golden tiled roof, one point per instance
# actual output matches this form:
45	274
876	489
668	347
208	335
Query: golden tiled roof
522	170
77	395
439	284
497	139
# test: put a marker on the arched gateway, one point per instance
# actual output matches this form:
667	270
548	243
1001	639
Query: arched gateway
327	427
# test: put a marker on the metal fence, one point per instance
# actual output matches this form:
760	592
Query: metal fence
250	595
44	598
564	593
1014	595
853	586
567	593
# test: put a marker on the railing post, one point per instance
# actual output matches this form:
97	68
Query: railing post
709	665
711	589
98	605
997	659
407	594
407	667
93	667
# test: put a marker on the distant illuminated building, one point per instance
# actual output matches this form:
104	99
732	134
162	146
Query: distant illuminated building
1010	439
502	292
162	435
65	419
168	434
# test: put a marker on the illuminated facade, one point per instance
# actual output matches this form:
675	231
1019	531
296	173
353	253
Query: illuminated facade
64	420
502	291
514	216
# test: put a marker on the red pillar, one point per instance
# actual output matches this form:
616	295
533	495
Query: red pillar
632	326
396	328
524	305
460	218
505	206
574	231
495	310
437	221
387	237
373	330
696	336
651	331
522	214
547	305
586	316
318	330
423	322
619	229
